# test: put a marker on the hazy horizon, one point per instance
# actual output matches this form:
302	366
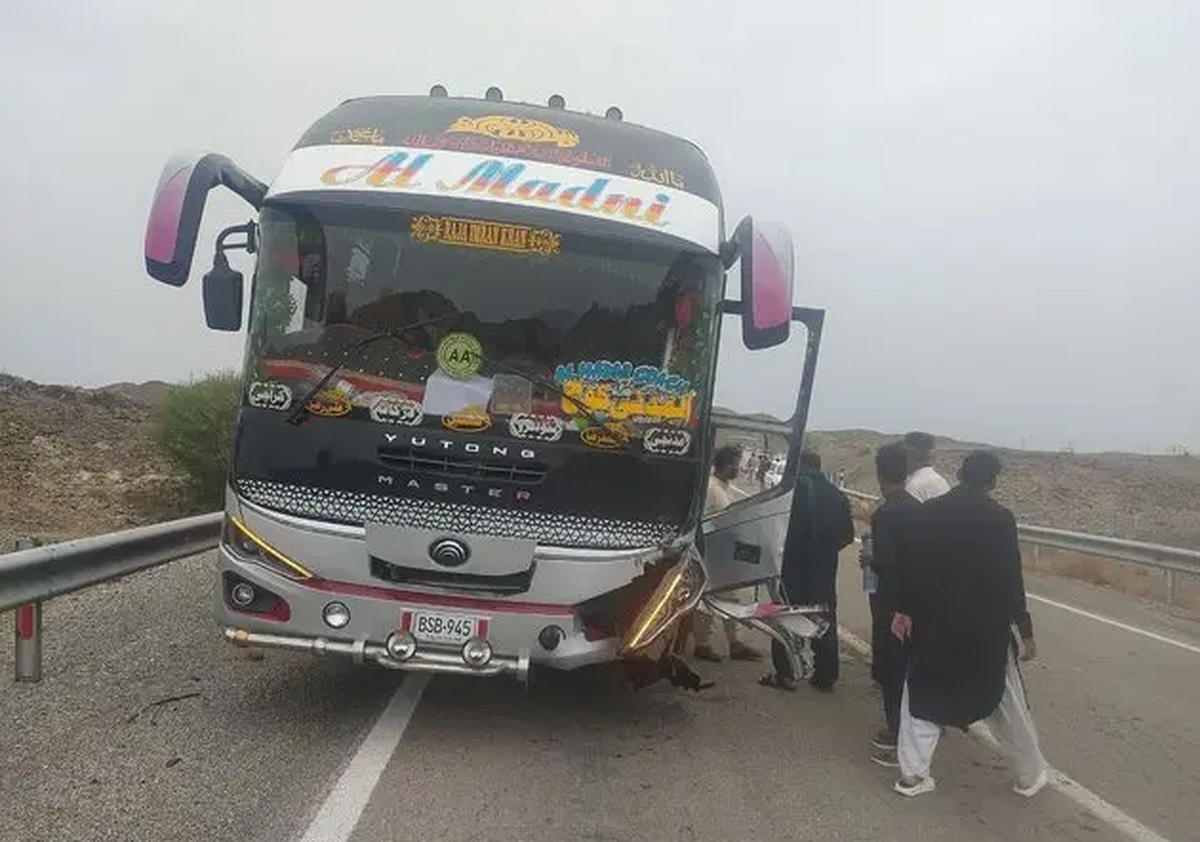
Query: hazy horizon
996	204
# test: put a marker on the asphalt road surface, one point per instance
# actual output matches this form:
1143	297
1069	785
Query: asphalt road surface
147	726
1114	693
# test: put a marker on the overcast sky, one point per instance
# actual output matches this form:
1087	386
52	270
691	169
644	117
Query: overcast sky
997	202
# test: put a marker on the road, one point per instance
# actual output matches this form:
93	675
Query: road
148	726
1115	708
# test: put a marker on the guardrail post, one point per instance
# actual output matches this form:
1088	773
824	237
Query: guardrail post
28	632
29	642
1172	586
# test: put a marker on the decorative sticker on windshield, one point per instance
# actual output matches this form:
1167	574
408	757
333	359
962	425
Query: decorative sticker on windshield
470	420
511	394
504	180
536	427
656	175
667	441
504	127
396	409
269	395
492	178
621	391
460	355
367	135
604	438
639	376
329	403
481	234
481	145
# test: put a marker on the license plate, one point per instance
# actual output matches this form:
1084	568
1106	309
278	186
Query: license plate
439	627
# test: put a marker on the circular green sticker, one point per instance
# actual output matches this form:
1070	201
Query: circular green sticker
460	355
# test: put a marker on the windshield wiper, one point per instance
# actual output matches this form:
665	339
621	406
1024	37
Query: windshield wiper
298	412
547	383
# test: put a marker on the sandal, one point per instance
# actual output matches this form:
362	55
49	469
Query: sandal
775	682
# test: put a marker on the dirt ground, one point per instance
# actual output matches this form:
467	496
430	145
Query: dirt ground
76	462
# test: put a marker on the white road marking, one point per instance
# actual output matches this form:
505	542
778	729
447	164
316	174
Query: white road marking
1065	784
1116	623
343	807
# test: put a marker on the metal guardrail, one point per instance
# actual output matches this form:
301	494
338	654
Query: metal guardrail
29	577
1172	560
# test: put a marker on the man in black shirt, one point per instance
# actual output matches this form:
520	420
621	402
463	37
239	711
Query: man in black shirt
819	526
891	525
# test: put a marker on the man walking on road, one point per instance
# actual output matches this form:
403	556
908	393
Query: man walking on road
924	482
726	463
819	527
956	603
890	546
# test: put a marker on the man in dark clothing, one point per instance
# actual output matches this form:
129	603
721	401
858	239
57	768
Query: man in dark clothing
819	526
958	596
891	527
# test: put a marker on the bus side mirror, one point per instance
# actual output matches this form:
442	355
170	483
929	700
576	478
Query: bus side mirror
223	296
766	255
174	221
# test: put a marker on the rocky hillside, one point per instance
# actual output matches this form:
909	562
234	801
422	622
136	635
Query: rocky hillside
77	462
1147	498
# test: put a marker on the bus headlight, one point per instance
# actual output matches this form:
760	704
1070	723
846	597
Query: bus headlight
249	546
677	592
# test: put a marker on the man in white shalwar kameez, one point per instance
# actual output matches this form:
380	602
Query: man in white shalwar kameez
957	603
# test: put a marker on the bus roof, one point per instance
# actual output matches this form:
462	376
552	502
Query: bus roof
517	130
402	150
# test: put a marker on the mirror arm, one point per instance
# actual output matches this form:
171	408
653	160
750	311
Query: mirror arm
250	244
242	183
731	249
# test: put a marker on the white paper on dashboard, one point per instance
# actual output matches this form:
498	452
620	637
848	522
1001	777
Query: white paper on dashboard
444	395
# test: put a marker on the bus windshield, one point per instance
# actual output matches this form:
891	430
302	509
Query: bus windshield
624	327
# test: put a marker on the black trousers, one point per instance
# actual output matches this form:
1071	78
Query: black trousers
889	663
826	662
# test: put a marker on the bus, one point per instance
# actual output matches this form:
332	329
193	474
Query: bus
476	418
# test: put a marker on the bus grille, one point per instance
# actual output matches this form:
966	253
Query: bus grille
548	529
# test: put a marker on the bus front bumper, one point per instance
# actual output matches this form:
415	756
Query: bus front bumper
475	657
